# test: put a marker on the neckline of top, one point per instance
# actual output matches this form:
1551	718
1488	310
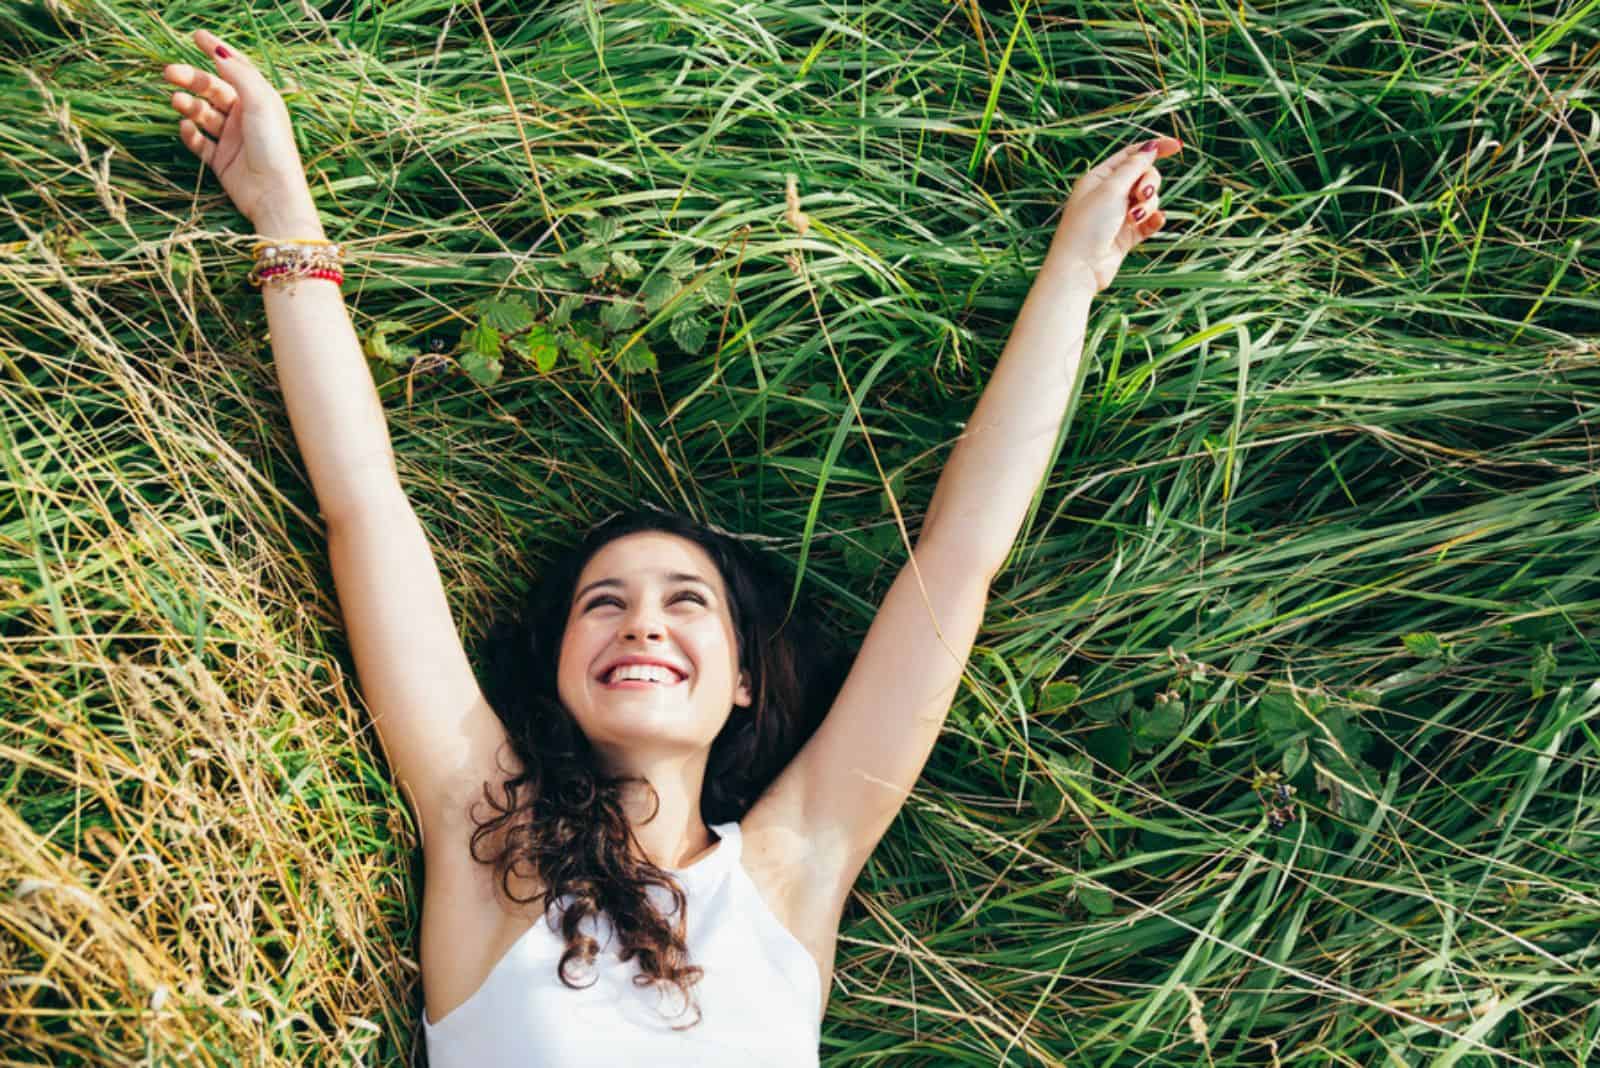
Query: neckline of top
727	839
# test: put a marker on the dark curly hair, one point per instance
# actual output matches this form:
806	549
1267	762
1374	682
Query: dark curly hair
563	817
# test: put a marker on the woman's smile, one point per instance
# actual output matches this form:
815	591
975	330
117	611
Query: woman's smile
642	684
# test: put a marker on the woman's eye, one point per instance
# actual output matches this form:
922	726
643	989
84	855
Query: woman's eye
602	600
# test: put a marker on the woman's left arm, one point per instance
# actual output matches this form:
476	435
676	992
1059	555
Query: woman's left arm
844	787
991	475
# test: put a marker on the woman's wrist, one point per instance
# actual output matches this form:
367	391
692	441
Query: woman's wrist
292	215
1063	269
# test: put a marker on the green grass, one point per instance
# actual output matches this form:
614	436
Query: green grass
1327	505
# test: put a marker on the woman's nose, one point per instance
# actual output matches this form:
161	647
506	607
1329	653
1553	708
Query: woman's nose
651	631
641	623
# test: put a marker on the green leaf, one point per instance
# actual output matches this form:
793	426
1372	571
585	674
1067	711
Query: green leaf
897	486
1279	716
1058	696
715	291
625	263
1541	628
1158	723
1095	899
1345	726
859	560
582	344
1045	789
564	309
591	260
377	344
482	339
1295	757
1106	709
1112	745
484	370
1543	663
619	315
1425	644
656	291
382	375
636	358
602	229
507	316
542	348
689	333
885	541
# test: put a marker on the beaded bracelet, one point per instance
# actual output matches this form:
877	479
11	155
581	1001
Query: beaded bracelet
286	259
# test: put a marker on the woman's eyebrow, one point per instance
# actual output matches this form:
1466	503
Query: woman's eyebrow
674	576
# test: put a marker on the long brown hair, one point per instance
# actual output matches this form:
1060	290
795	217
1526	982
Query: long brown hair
563	816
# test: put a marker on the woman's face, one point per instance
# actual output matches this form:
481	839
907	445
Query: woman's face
659	596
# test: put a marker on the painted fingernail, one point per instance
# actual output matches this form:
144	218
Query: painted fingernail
222	52
1138	213
1146	191
1151	146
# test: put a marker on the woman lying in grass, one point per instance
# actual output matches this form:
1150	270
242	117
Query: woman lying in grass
675	825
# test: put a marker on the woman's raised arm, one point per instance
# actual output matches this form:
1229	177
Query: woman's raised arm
441	737
237	124
843	789
993	472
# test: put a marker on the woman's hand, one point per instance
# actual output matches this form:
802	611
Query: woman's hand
238	124
1111	209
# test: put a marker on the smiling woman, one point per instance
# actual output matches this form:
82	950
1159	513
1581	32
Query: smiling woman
622	782
617	789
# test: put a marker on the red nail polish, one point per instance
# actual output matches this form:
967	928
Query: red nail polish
1138	213
222	52
1150	146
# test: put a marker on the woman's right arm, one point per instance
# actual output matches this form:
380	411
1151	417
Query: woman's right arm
439	734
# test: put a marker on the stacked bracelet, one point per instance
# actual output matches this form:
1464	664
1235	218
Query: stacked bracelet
283	260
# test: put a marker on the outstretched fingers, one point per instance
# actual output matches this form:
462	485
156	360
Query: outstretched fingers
201	113
218	93
1135	154
1117	160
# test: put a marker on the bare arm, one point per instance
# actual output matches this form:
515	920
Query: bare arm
236	122
441	737
333	405
995	468
843	789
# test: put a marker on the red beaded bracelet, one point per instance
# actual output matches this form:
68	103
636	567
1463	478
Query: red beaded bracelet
321	272
286	259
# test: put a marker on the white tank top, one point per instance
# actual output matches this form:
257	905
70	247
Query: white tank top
760	996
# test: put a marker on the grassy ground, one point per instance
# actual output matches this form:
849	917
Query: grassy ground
1326	509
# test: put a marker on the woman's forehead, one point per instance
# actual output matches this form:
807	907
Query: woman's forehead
650	556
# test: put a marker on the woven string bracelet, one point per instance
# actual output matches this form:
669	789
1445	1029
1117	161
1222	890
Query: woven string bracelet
282	261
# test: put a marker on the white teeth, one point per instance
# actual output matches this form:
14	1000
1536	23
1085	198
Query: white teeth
642	672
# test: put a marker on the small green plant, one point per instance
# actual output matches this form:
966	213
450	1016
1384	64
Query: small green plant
621	316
